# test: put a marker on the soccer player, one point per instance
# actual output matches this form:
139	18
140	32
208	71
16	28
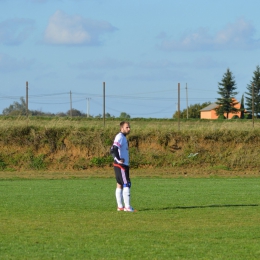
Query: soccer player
120	153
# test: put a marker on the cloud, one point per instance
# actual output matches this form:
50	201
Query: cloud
75	30
15	31
238	35
10	64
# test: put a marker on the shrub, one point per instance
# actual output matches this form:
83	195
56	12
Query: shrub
247	116
221	117
2	164
37	162
101	161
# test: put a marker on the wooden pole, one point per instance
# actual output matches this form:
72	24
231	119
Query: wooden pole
88	99
179	106
104	103
187	104
27	99
70	104
253	105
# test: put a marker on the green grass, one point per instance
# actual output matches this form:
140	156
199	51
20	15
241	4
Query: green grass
137	124
182	218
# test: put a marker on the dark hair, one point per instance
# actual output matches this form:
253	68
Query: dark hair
123	122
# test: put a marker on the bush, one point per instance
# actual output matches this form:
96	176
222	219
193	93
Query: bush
101	161
221	117
247	116
37	162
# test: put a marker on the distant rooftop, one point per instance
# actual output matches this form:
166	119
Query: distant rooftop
209	107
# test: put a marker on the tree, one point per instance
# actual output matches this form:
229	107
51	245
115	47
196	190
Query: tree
74	112
194	111
227	92
124	115
61	114
108	115
99	116
16	109
254	83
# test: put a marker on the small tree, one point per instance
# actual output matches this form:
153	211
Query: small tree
227	92
194	110
254	83
124	115
16	109
99	116
61	114
74	112
108	115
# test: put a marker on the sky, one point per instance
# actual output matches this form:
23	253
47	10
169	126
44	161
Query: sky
140	50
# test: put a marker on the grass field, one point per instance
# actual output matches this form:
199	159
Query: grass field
137	124
177	218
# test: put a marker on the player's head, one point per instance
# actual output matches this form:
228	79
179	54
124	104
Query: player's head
125	127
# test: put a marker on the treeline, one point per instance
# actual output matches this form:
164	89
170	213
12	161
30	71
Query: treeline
20	109
193	111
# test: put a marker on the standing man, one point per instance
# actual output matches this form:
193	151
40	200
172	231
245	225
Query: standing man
120	153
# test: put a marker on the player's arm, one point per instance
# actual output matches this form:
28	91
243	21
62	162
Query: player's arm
115	154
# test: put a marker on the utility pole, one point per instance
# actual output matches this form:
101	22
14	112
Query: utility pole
253	105
179	106
88	99
27	99
187	101
104	100
70	104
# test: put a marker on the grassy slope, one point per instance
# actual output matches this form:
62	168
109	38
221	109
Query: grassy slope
64	144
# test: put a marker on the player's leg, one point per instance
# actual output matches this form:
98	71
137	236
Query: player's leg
119	189
126	195
126	189
119	197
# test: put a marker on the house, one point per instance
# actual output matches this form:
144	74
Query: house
210	113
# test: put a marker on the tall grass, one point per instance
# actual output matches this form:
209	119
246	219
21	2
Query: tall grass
183	218
136	123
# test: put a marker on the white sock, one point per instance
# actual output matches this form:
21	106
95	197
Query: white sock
126	196
119	197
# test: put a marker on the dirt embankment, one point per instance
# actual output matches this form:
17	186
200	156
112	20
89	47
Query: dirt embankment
164	153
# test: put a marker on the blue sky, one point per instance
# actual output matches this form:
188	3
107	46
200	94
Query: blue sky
140	49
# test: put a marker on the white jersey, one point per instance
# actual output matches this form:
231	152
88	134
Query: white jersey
122	144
